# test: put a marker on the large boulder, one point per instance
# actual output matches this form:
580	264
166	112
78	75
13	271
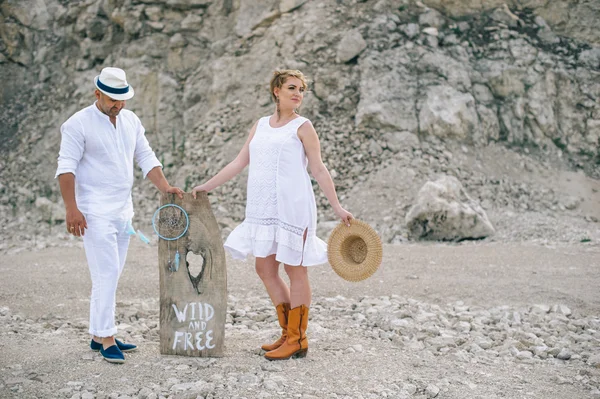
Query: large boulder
448	113
254	13
351	45
29	13
576	19
444	211
388	90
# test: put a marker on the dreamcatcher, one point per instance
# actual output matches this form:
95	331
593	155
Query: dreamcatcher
171	222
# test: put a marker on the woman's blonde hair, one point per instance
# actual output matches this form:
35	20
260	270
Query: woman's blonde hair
280	76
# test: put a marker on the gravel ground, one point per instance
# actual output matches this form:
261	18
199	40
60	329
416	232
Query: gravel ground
470	320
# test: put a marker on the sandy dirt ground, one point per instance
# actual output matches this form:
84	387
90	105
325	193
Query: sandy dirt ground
45	289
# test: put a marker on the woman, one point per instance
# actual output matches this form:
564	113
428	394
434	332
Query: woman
281	213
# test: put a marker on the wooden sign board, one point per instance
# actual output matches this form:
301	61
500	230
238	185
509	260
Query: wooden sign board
193	307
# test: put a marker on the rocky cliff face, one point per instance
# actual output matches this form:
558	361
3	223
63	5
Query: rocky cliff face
394	83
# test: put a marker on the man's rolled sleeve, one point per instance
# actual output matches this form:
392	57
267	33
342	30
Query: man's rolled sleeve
144	156
72	145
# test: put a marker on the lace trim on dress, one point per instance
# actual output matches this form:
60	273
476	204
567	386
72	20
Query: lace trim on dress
276	222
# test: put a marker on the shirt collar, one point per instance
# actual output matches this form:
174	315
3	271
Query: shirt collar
100	113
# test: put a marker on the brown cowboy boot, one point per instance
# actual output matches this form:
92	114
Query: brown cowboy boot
296	344
283	310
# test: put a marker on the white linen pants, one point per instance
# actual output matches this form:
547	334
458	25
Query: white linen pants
106	243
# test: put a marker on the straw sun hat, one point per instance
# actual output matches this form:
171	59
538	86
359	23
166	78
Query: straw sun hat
354	252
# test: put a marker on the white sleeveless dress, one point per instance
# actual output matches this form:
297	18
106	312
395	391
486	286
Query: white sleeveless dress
280	203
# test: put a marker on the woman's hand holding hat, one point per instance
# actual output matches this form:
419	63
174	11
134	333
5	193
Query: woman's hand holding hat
344	215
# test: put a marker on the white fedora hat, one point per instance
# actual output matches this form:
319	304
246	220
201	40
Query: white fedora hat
113	83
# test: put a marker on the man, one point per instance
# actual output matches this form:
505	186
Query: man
95	173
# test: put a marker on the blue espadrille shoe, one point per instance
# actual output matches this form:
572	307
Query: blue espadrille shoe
95	346
112	354
125	347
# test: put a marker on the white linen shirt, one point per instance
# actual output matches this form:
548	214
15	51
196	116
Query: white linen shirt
101	157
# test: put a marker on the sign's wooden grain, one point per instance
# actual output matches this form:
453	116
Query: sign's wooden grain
193	307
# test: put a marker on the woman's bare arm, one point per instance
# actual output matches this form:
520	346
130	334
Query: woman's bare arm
312	148
231	170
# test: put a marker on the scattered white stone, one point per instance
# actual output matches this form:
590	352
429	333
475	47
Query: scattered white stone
351	45
411	389
431	31
465	334
357	347
271	385
524	355
594	360
541	309
432	391
411	30
562	309
564	354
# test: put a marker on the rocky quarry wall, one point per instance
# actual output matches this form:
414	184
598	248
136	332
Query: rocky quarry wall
502	95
